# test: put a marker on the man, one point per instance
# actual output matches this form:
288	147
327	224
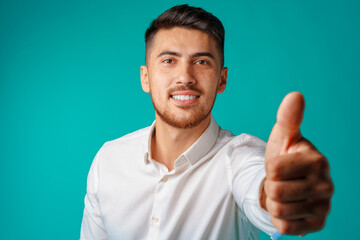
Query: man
185	177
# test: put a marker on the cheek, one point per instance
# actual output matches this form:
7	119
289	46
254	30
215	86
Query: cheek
158	88
204	72
209	83
161	78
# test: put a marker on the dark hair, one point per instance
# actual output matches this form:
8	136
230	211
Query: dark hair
188	17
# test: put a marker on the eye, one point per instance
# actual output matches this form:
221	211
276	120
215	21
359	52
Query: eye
202	62
168	61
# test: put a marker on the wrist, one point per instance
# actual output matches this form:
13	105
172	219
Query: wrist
262	195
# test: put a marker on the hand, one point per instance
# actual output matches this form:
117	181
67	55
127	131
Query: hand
297	188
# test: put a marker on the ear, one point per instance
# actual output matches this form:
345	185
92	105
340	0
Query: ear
144	79
223	80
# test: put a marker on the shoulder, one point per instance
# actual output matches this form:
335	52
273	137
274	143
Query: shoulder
243	139
241	145
129	141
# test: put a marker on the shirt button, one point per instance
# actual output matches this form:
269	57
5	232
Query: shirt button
155	219
164	179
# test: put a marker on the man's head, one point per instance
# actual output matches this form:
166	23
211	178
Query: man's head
188	17
184	66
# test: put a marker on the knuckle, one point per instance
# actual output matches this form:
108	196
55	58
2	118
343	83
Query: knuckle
318	223
274	191
327	207
326	188
276	210
321	208
331	188
273	169
320	162
284	227
322	224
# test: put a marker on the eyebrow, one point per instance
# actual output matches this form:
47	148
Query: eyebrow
166	52
199	54
202	54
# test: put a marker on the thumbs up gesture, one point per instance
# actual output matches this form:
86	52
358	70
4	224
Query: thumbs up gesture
297	188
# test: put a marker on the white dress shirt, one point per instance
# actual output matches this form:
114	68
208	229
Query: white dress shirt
212	193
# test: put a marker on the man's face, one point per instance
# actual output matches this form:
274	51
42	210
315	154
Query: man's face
183	75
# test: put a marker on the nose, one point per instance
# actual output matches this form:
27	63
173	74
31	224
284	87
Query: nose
185	74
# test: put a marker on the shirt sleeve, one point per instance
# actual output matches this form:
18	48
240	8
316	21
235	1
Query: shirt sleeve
248	170
92	226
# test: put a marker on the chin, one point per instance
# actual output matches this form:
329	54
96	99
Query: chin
182	122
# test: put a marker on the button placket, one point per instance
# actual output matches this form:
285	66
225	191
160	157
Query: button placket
164	179
154	218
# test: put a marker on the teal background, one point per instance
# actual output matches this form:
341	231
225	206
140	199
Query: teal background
69	81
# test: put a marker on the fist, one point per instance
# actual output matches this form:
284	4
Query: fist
297	189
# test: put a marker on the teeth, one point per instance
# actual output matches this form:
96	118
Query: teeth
183	97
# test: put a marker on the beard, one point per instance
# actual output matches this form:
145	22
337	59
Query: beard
195	117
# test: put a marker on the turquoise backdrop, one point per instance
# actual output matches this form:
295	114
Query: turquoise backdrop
69	81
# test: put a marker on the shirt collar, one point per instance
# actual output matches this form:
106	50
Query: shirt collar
147	155
196	151
203	145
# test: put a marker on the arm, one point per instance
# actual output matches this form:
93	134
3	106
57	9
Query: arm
92	226
247	173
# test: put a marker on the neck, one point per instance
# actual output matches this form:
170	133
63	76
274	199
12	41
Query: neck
170	142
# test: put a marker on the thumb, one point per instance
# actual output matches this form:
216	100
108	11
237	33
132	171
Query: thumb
286	129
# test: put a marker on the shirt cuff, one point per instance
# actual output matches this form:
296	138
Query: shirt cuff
276	236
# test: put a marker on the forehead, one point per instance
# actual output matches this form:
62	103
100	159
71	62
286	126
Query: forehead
182	40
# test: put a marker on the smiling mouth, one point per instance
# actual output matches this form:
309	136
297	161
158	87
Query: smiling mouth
184	97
